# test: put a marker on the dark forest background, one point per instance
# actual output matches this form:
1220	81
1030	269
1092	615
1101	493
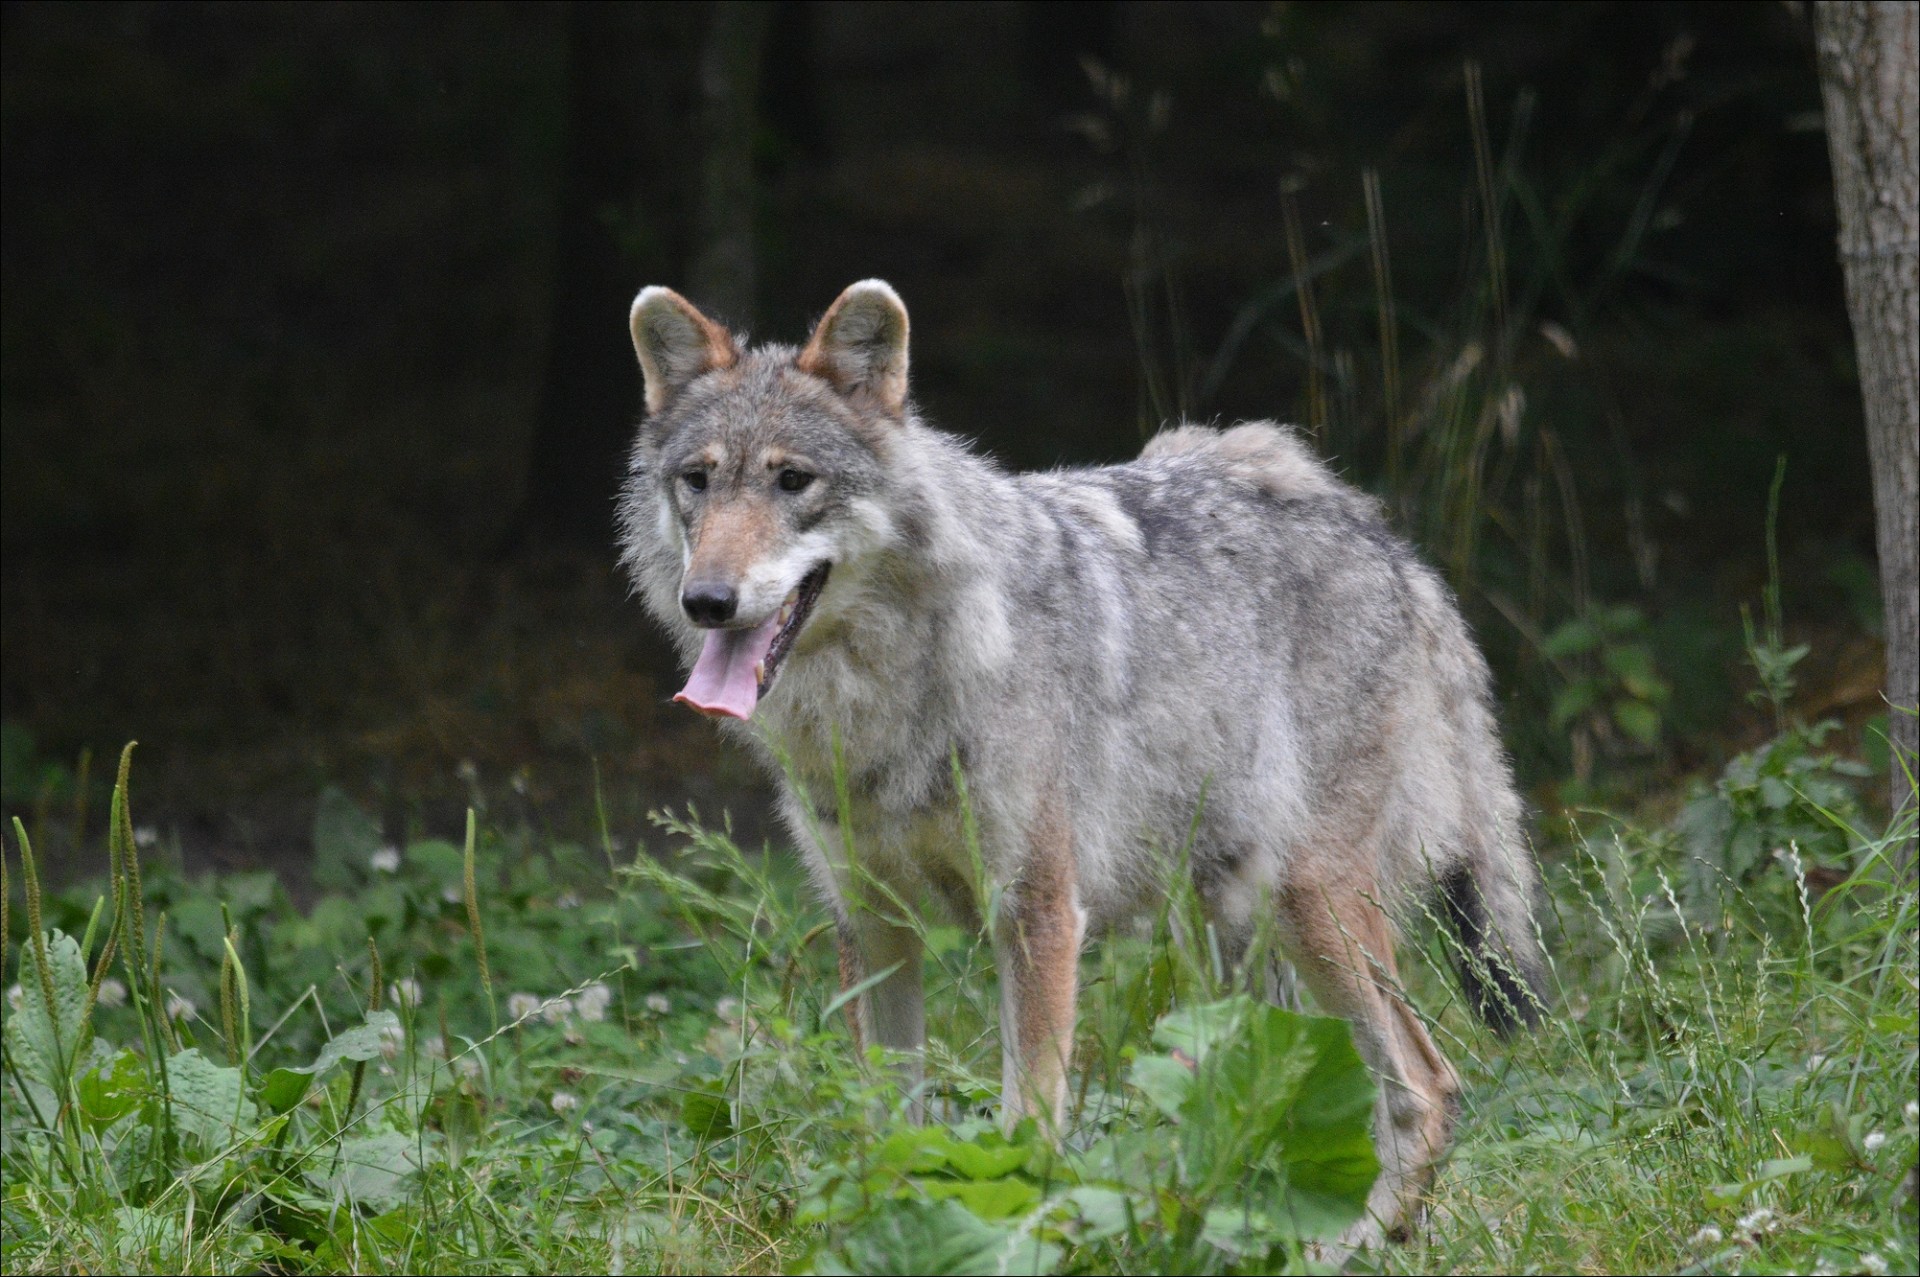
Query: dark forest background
316	374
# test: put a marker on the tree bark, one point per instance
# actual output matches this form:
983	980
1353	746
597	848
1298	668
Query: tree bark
1871	86
723	279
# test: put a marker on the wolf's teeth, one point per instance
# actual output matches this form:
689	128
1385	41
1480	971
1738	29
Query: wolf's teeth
759	671
786	612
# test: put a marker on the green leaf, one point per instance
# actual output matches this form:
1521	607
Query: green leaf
361	1042
45	1042
1573	701
207	1101
1104	1212
975	1160
343	837
108	1093
373	1170
284	1088
1639	720
1571	639
937	1238
988	1199
1165	1082
707	1112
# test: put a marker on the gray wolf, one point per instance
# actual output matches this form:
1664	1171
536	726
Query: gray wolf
1097	648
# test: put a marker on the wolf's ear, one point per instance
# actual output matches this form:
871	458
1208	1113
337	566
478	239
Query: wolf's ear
676	343
860	344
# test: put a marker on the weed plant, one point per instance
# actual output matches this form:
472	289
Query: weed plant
654	1073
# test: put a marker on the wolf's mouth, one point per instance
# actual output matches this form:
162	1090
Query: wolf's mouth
736	667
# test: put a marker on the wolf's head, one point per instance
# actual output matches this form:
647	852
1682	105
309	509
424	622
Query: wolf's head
752	478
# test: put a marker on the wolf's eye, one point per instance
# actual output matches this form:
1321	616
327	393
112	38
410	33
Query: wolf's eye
792	480
695	479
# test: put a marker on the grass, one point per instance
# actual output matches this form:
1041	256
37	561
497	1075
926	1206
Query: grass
505	1056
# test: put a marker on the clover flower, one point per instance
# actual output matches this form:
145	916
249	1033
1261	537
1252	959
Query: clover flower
386	860
564	1102
522	1005
591	1003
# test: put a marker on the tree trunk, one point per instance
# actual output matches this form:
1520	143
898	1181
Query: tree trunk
723	278
1872	89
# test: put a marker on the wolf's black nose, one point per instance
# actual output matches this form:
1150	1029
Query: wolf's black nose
709	602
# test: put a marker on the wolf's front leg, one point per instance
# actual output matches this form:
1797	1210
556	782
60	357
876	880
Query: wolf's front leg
892	1012
1037	947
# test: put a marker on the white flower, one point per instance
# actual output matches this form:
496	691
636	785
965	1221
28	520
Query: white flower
467	1066
564	1102
1913	1110
453	895
728	1009
179	1008
1874	1140
1710	1235
435	1046
658	1004
112	993
519	782
405	992
467	771
1873	1262
591	1002
1759	1220
392	1039
554	1010
145	836
1816	1062
16	997
568	900
386	860
522	1005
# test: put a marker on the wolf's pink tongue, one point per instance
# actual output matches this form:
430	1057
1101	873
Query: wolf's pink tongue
723	683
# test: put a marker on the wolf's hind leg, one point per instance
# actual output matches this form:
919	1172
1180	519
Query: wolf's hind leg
1037	949
1342	943
892	1012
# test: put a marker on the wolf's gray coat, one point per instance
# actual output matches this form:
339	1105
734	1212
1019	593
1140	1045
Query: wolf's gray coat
1100	648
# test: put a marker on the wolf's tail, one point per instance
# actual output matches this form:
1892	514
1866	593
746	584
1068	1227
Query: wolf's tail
1496	948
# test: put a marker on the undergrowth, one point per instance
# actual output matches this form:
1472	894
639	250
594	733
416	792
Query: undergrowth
499	1056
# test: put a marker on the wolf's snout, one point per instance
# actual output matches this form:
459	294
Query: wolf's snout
709	603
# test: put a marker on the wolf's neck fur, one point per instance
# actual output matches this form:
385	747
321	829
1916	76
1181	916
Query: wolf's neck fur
919	617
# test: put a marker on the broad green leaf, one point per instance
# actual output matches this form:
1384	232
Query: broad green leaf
207	1101
361	1042
989	1199
1165	1081
109	1092
45	1042
1104	1212
1195	1030
707	1113
988	1157
373	1169
937	1238
284	1088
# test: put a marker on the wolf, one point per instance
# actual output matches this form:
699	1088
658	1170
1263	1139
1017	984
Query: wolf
1053	682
